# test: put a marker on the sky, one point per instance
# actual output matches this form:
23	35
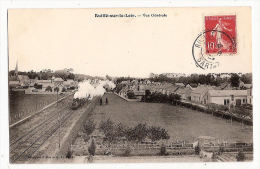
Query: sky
75	38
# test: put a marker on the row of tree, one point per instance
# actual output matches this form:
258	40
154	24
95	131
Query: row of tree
209	79
114	132
47	74
161	98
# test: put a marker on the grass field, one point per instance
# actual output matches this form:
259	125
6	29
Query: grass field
22	105
181	123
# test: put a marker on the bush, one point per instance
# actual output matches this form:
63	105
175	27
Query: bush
56	89
92	148
240	156
127	151
163	151
37	86
220	150
89	127
64	89
157	133
48	89
69	154
108	128
197	150
130	95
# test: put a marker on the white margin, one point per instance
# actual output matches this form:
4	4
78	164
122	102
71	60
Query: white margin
4	132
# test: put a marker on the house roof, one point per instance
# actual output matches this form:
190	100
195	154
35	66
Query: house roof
220	93
43	81
183	90
248	86
58	79
23	77
201	89
179	84
172	88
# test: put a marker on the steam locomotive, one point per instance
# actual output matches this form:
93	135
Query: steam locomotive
78	102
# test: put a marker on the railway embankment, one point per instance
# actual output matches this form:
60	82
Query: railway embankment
72	131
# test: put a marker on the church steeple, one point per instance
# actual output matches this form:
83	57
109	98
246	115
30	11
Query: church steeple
16	69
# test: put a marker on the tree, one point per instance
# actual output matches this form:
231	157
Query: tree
56	89
108	77
92	148
140	132
89	127
48	89
130	95
246	78
37	86
108	129
234	79
120	129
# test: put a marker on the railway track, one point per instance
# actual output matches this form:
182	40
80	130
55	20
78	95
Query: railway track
23	147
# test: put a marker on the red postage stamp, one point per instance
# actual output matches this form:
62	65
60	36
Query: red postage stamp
221	34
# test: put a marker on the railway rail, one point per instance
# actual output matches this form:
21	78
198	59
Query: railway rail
23	147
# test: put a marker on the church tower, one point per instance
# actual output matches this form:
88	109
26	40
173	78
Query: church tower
16	69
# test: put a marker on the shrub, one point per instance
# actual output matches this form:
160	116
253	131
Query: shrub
197	150
92	148
89	127
130	95
108	129
220	150
157	133
48	89
240	156
69	154
163	151
140	132
127	151
56	89
64	89
37	86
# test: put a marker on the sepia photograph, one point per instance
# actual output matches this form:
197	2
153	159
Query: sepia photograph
130	85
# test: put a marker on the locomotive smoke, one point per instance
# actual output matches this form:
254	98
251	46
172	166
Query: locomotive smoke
87	90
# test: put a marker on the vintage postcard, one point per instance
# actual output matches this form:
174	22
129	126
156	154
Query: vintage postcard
130	85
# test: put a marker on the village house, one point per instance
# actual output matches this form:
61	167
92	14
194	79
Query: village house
249	96
198	95
23	80
171	89
14	83
184	92
69	83
227	97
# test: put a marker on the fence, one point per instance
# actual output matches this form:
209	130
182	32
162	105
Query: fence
154	149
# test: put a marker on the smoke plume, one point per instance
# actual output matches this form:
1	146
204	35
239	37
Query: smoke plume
89	89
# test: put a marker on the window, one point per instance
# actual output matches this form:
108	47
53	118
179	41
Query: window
226	101
232	97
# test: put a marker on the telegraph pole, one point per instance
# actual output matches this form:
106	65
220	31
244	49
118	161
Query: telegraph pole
59	118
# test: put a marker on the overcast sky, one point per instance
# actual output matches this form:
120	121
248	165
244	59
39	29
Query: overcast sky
74	38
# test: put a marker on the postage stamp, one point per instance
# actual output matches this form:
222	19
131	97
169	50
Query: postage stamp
223	37
219	37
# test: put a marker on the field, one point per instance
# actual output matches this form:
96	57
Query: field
23	105
181	123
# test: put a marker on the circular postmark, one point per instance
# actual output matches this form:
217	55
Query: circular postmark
209	45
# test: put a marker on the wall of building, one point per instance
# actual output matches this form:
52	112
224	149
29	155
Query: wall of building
220	100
